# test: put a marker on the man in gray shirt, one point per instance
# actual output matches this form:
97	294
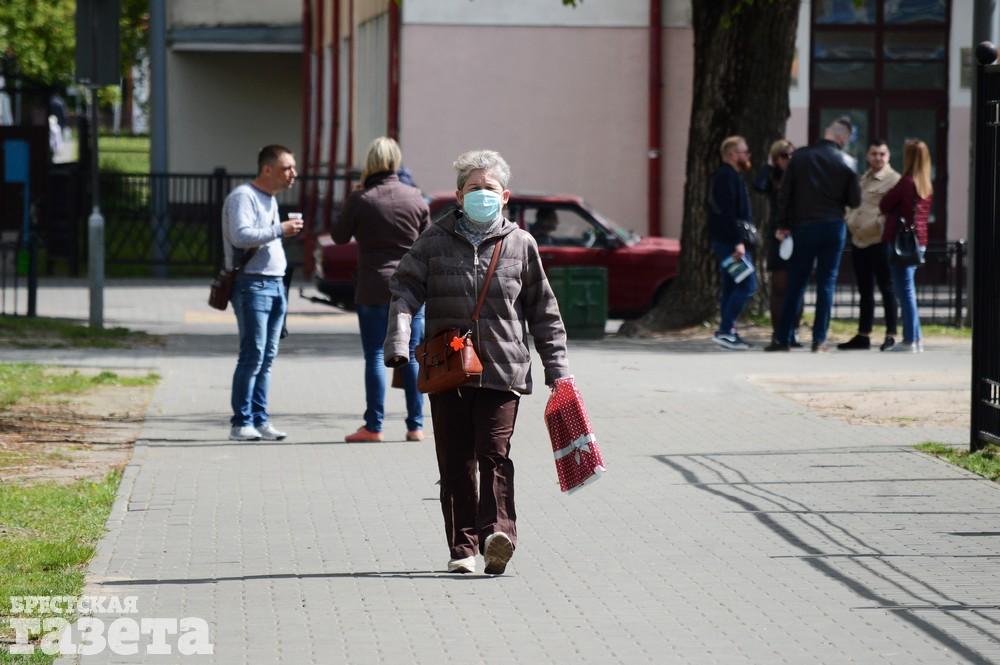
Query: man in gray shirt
250	223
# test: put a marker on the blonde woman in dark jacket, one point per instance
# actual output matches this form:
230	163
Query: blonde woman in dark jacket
473	425
385	217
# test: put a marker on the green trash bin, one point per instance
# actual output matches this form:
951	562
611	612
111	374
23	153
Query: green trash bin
582	292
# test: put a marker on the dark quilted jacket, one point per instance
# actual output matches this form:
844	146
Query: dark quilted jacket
446	272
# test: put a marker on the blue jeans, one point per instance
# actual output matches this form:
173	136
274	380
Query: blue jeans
373	321
819	243
733	297
260	304
906	294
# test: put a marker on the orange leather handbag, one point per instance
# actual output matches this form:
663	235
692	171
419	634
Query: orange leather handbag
449	359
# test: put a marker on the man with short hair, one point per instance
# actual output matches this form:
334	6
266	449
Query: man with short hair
250	223
818	186
871	263
728	214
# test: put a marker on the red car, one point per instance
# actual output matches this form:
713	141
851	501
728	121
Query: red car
569	233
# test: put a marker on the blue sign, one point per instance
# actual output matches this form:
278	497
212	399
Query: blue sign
16	161
16	169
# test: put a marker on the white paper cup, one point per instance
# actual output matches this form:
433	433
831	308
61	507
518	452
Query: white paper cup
295	215
786	248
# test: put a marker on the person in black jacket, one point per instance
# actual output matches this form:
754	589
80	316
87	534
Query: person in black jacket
818	186
729	222
768	182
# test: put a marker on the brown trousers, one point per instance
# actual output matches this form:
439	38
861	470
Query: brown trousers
472	427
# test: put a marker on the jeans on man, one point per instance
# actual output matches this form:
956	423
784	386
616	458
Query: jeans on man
906	294
472	430
260	304
819	243
871	266
733	297
373	321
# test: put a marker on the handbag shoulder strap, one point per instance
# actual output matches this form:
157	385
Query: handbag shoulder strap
486	283
245	259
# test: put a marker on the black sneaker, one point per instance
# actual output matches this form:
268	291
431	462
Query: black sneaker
889	342
775	346
796	344
856	343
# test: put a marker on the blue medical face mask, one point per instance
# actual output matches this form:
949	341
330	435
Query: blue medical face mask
482	205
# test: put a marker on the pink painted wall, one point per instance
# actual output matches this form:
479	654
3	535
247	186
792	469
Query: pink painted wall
797	128
959	121
678	90
566	107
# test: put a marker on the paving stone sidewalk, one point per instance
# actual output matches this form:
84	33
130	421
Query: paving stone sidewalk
733	525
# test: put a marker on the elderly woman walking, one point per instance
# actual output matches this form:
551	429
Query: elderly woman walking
473	424
385	217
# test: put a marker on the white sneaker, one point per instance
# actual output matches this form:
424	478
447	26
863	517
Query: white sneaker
466	565
903	347
497	551
269	433
244	433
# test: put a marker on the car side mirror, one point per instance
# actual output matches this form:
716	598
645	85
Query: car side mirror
611	241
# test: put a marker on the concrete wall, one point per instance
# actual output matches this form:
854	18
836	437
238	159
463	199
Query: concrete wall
233	12
216	119
678	90
959	122
566	107
797	130
564	98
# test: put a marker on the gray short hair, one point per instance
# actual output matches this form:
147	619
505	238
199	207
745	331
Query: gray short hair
488	160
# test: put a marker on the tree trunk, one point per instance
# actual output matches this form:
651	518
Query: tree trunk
742	71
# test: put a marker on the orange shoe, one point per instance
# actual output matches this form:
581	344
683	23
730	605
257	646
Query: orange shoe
363	436
415	435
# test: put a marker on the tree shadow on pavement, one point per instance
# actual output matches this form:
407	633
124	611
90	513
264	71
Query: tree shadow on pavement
821	527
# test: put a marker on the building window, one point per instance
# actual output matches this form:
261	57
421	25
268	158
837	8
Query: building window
884	63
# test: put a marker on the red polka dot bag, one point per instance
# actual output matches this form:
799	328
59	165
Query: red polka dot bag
574	444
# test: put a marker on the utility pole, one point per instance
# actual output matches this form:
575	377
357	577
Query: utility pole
97	64
982	31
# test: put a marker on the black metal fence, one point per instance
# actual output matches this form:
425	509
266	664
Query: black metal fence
169	224
985	421
942	296
12	285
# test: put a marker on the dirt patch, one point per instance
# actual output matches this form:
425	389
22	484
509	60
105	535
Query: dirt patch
899	399
74	437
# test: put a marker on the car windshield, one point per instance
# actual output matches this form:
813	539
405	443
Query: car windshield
625	235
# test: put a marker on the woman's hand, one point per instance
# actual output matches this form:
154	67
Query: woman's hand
396	361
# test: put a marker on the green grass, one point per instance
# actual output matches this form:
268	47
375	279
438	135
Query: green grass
42	332
985	462
48	533
20	381
126	154
846	328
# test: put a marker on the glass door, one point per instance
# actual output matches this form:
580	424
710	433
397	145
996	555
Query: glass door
884	64
909	118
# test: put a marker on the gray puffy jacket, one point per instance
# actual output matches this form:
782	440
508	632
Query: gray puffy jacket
446	272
